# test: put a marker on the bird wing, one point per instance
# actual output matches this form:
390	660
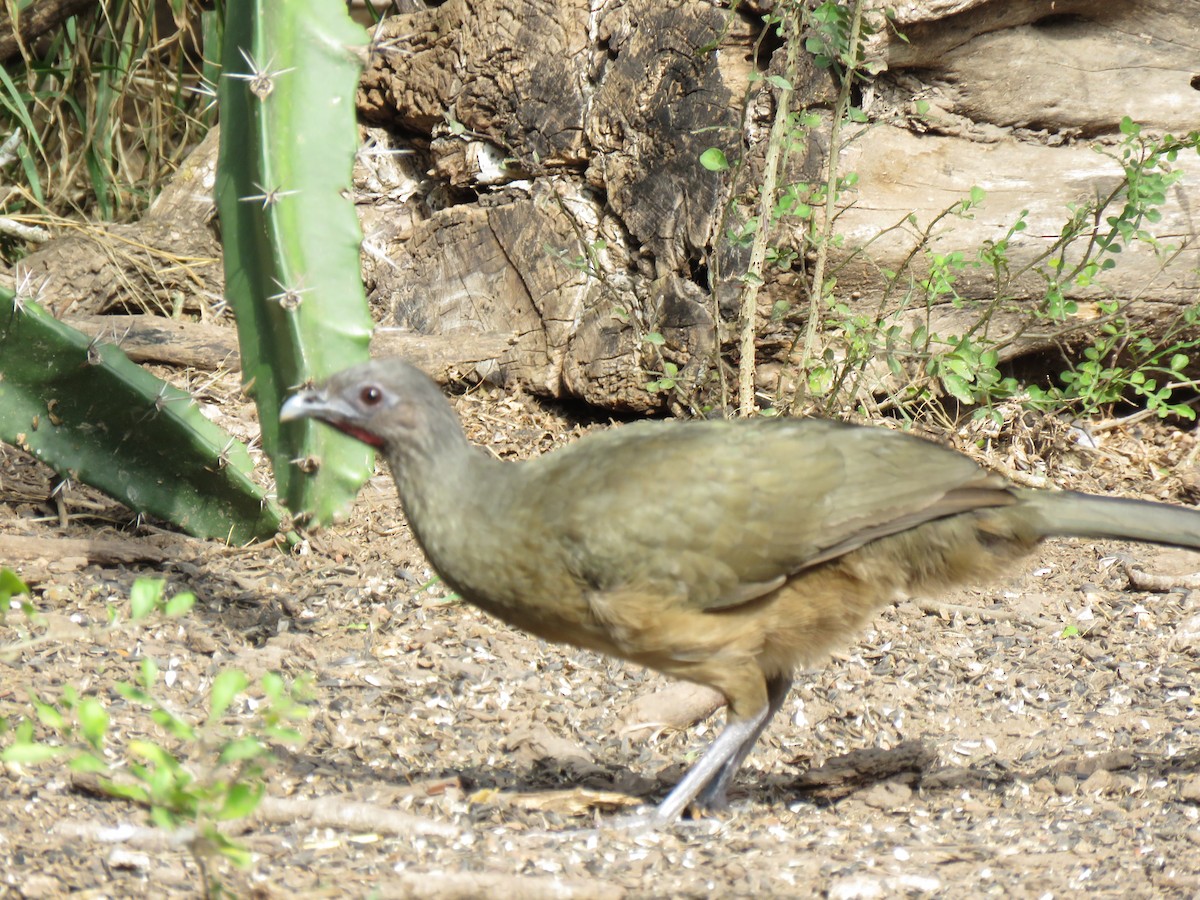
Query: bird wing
723	512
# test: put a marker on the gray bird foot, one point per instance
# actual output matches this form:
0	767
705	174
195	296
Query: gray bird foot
644	822
636	823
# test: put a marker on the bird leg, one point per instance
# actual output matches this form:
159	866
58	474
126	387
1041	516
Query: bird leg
712	795
708	779
724	748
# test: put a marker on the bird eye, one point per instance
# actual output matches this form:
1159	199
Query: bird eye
370	395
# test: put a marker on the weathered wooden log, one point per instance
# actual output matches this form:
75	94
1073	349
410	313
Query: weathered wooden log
553	203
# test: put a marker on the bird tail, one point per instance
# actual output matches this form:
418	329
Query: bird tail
1070	514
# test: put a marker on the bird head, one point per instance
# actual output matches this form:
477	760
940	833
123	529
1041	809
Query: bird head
383	403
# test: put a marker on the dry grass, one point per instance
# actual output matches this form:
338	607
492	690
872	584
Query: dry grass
107	105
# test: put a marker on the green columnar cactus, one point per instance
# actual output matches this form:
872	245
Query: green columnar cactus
86	410
291	237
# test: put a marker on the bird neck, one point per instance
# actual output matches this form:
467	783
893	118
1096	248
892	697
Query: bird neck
453	493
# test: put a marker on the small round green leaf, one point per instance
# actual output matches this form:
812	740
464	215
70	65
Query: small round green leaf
714	160
225	687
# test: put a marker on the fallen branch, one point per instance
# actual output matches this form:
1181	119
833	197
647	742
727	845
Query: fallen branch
143	837
157	339
179	342
338	812
467	885
942	608
34	21
303	812
1160	584
97	551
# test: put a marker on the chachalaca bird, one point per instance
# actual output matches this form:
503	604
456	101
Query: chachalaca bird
727	553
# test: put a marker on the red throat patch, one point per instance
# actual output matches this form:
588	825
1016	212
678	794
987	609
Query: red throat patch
371	440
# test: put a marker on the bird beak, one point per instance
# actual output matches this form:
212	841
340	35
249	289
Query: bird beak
313	403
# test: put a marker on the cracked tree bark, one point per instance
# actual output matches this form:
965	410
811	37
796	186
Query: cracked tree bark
564	199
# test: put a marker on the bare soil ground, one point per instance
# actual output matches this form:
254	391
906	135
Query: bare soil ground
1034	738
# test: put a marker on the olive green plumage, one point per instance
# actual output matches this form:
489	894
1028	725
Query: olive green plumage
727	553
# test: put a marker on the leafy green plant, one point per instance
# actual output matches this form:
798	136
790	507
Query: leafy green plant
1123	362
1120	361
667	380
147	596
587	262
842	349
835	35
191	774
12	586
